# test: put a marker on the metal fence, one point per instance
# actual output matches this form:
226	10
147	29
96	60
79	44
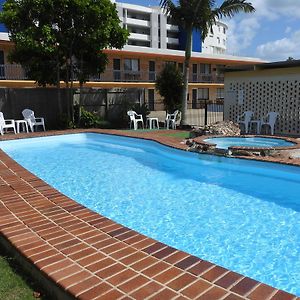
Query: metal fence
114	103
210	113
111	104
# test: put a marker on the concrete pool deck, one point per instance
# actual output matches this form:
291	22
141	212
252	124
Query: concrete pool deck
88	256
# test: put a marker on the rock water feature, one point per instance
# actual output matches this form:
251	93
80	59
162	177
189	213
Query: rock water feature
224	128
227	128
196	142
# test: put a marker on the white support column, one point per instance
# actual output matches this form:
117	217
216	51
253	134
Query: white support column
163	31
154	29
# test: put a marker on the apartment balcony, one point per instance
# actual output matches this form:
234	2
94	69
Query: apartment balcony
12	72
172	27
125	76
206	78
139	36
137	22
172	41
16	72
146	76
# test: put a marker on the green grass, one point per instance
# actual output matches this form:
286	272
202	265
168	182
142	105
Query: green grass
140	130
14	283
181	135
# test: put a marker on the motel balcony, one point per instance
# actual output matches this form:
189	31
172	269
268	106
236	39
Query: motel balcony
16	72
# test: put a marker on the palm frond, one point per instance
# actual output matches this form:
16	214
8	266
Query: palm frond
231	7
167	5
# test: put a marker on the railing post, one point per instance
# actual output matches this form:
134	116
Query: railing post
205	112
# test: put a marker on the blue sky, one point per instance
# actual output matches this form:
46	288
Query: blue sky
271	33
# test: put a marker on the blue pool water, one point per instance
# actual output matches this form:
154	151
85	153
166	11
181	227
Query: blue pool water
258	142
240	214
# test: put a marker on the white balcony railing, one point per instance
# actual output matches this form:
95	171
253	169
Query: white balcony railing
172	41
139	36
138	22
172	27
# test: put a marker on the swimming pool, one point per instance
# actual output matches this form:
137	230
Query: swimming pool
240	214
256	142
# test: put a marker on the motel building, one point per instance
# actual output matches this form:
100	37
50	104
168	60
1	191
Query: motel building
153	42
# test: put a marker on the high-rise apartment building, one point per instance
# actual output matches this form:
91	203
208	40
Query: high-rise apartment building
150	27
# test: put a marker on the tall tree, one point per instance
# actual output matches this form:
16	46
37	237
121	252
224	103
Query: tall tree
169	85
62	39
199	15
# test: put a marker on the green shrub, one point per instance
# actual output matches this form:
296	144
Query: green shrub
141	110
89	120
64	122
92	120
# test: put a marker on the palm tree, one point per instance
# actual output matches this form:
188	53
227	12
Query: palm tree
199	15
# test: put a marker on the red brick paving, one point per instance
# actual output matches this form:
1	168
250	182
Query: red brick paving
92	257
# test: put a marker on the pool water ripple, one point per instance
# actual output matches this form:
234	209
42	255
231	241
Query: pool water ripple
239	214
256	142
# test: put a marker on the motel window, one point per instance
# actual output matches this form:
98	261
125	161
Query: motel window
220	93
203	93
151	66
117	68
171	63
224	30
195	72
205	68
194	98
195	68
151	70
132	65
180	67
117	64
151	99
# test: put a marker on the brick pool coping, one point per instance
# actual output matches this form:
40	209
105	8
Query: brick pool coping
92	257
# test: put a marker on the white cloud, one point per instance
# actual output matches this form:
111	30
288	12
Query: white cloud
244	27
273	9
288	29
241	33
281	49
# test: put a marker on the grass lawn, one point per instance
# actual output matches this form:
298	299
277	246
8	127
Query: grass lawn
14	283
173	133
180	135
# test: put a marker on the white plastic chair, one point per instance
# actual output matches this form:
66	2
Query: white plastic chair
172	119
135	119
269	120
31	120
245	119
6	124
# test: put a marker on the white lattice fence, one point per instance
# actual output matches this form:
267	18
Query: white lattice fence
262	94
